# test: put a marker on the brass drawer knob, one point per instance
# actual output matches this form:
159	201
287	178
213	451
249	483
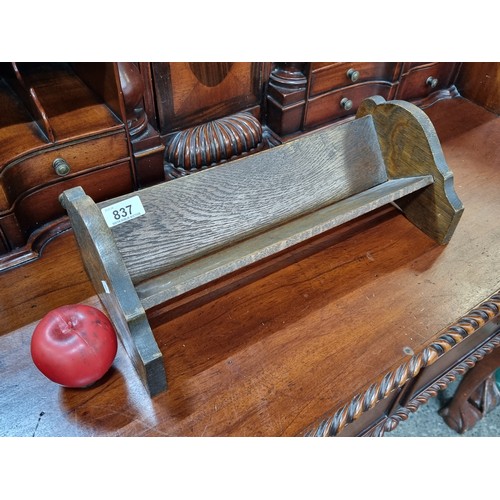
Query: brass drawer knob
61	168
353	75
431	82
346	103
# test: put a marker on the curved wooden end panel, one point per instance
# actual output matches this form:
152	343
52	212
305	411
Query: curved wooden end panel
111	280
410	146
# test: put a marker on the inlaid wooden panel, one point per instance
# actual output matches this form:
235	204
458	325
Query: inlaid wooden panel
188	94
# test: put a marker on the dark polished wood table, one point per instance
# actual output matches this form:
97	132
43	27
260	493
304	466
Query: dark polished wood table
345	335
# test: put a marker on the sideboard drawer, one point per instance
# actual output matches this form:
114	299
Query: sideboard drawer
341	103
37	170
421	81
336	75
42	205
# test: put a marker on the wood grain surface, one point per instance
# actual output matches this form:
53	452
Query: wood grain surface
274	355
242	254
195	215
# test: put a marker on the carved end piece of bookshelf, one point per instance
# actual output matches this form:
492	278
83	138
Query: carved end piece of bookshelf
111	280
410	147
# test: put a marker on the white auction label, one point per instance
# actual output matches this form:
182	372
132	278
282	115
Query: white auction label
123	211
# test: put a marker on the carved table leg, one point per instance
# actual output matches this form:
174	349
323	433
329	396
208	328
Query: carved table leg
476	395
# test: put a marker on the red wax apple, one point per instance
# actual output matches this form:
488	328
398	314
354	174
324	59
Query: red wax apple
74	345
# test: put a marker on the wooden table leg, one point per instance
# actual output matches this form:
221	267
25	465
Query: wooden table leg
477	394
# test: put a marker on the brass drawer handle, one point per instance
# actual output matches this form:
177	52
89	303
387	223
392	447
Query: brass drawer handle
353	75
431	82
346	103
61	168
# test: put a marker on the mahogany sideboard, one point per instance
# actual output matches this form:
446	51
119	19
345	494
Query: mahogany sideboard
116	127
345	335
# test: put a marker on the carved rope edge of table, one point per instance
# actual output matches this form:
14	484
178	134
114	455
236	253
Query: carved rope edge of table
393	420
454	334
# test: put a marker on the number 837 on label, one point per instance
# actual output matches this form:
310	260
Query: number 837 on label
123	211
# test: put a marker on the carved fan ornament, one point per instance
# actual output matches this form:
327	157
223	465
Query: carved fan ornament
214	142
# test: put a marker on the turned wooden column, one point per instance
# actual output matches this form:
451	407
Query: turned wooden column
286	97
146	144
133	93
